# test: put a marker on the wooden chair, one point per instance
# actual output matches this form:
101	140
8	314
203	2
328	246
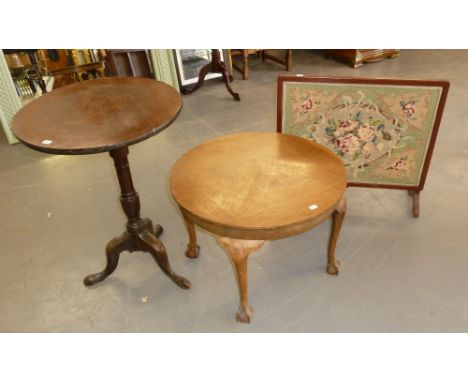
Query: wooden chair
287	61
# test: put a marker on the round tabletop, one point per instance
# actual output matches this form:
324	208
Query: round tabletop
258	185
98	115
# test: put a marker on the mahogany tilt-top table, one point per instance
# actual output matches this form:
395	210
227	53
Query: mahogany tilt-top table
107	114
250	187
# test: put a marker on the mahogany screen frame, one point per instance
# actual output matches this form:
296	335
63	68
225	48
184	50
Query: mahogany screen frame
444	84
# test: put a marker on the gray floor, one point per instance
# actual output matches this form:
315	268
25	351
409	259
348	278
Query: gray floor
399	274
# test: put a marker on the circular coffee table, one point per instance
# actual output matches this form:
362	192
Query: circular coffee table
251	187
107	114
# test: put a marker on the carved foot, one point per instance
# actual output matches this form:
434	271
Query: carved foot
333	266
192	252
244	314
113	250
154	246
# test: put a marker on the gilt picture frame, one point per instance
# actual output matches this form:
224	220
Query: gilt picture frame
384	130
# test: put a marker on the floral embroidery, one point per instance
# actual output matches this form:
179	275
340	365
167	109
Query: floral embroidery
400	165
357	138
378	132
306	105
366	132
349	144
409	108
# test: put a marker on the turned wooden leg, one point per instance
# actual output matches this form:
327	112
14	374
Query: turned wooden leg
333	266
141	235
239	250
415	196
193	250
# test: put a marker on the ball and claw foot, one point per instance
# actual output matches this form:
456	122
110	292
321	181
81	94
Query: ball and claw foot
244	315
192	252
333	269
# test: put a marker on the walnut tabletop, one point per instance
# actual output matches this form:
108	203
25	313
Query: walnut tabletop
258	185
250	187
97	116
107	114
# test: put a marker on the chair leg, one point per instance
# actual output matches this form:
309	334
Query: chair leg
231	70
245	68
289	60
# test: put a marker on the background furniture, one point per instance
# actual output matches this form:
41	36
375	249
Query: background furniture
215	66
356	57
287	61
99	116
251	187
384	130
25	69
189	63
129	63
78	73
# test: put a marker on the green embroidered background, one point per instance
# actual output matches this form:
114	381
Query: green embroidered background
381	132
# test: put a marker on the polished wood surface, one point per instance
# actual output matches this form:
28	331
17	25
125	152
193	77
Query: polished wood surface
97	116
251	187
258	185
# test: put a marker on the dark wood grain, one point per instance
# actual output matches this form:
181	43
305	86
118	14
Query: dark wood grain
97	116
